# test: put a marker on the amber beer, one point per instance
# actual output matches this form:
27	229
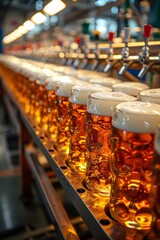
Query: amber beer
131	88
30	85
134	125
40	99
155	189
150	95
33	88
77	111
50	126
99	115
62	102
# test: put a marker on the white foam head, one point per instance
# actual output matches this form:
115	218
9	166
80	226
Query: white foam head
103	103
48	72
51	84
80	93
64	86
30	71
108	81
41	78
69	71
150	95
131	88
83	74
59	69
140	117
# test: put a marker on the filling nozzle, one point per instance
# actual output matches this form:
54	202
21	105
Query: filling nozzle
94	56
78	51
125	52
144	55
96	35
110	50
110	53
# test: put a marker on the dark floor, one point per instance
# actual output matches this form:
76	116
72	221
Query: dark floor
15	216
18	219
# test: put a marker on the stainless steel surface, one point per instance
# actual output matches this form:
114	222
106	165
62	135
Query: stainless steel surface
53	203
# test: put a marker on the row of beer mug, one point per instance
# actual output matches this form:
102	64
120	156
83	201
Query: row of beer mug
109	137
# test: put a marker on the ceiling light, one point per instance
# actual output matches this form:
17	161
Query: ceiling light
54	7
29	25
101	3
7	39
22	30
38	18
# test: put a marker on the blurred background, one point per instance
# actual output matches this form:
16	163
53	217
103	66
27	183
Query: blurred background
73	18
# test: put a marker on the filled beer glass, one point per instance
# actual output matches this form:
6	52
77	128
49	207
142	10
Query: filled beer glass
105	81
40	98
50	125
155	189
150	95
30	71
62	103
132	147
33	88
100	106
131	88
77	110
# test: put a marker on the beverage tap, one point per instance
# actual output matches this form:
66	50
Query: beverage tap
125	52
72	54
144	55
77	59
110	38
83	59
110	61
96	51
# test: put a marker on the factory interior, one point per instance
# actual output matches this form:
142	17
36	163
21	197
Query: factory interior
50	48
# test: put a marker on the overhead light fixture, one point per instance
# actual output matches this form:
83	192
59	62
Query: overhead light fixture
54	7
7	39
38	18
101	3
29	25
51	9
22	30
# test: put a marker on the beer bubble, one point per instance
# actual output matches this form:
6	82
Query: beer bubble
121	211
122	160
94	141
91	182
144	216
135	191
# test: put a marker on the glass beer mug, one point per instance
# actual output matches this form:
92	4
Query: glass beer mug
77	111
51	109
133	130
40	98
131	88
62	103
155	190
100	106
